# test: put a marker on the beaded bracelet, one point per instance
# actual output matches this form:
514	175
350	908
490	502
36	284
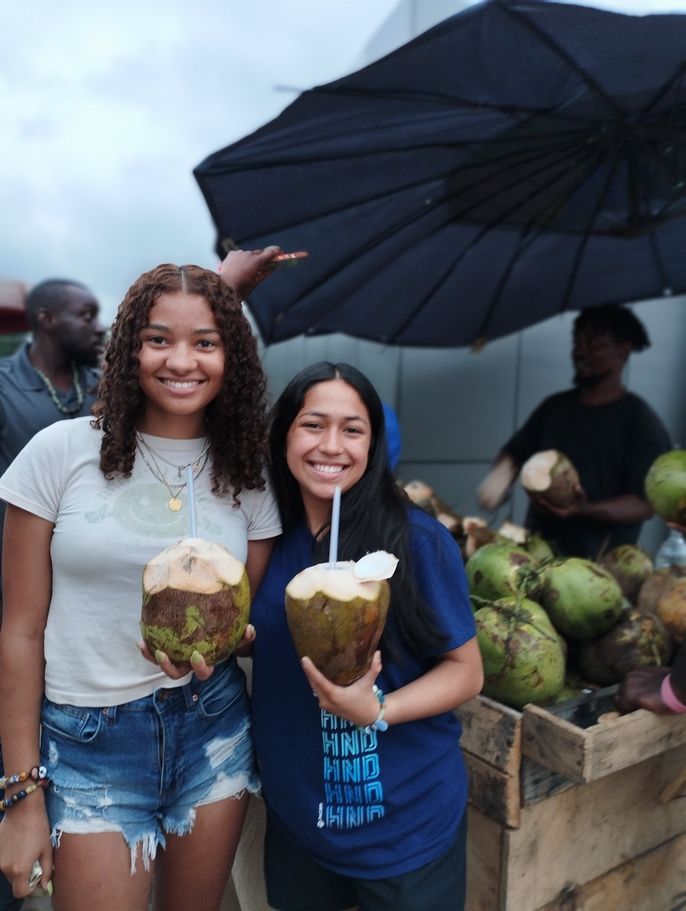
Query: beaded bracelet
379	724
20	795
670	698
37	773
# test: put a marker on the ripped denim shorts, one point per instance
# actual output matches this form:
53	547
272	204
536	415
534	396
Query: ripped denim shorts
142	768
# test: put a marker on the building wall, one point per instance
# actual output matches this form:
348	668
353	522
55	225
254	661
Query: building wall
457	407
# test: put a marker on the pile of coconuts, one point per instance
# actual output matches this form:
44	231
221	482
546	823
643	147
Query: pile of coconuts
548	626
544	622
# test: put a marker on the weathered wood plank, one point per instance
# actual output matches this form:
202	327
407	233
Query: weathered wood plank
536	782
485	863
492	731
582	833
493	792
654	881
591	753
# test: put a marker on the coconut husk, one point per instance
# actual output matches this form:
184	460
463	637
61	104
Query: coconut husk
550	476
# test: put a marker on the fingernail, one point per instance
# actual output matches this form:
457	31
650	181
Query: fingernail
250	631
160	656
197	659
48	888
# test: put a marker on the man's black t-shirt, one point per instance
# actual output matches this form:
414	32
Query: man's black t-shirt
612	447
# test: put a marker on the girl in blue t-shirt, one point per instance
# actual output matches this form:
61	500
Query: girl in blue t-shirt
365	789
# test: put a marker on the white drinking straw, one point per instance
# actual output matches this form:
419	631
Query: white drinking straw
191	501
335	518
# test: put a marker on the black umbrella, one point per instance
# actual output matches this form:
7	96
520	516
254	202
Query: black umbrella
519	159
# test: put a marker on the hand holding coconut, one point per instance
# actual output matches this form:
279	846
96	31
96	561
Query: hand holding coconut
553	484
355	702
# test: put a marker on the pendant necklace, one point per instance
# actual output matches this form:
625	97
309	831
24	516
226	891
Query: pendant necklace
173	503
56	401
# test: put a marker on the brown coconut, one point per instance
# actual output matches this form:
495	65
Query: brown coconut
337	619
655	585
631	566
423	496
550	476
477	533
637	640
671	609
196	598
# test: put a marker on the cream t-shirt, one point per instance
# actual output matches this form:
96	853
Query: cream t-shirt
104	534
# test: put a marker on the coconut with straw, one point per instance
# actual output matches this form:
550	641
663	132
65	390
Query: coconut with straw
336	611
196	597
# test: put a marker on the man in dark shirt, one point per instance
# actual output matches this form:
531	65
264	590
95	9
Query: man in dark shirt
51	378
611	435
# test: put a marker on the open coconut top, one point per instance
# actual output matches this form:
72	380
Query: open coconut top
346	580
537	471
193	565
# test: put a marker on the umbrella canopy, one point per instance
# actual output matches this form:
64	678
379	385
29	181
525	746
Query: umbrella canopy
519	159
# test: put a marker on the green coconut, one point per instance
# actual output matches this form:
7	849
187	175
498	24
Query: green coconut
498	570
539	549
196	598
550	476
582	599
337	619
637	640
630	566
523	655
665	486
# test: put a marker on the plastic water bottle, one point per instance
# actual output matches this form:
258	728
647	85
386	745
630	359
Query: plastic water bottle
672	551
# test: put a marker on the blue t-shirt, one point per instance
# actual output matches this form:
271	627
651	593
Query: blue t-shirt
363	805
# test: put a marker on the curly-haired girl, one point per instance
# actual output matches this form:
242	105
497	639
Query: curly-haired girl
139	757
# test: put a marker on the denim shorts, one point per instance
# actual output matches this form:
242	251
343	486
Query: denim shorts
142	768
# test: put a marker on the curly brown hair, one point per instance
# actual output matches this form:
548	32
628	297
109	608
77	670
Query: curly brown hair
235	422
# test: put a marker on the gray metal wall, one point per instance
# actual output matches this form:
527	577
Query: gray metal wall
457	407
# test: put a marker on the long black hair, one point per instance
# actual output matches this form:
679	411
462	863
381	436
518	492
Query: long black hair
374	512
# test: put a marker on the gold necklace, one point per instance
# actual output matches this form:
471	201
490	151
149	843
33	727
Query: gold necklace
173	503
56	401
155	455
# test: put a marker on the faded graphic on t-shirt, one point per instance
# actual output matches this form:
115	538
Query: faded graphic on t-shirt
353	793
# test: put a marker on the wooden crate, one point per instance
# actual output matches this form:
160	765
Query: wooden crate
571	812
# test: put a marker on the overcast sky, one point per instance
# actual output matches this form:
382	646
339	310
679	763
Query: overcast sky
106	108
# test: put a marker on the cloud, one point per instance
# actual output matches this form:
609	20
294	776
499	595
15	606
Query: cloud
105	110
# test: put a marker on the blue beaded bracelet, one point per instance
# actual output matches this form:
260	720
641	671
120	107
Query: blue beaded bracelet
380	724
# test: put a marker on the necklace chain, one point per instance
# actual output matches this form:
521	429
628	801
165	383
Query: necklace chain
56	401
158	456
174	490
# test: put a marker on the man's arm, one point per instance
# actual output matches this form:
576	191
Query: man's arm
628	509
643	689
495	487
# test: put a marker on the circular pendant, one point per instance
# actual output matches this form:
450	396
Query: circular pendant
174	504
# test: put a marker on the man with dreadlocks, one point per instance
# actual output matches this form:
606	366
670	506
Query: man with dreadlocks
611	435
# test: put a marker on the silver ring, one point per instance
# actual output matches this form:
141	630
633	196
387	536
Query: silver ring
35	875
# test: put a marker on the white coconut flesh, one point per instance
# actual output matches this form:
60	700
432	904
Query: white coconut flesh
193	565
513	532
375	566
537	471
338	584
